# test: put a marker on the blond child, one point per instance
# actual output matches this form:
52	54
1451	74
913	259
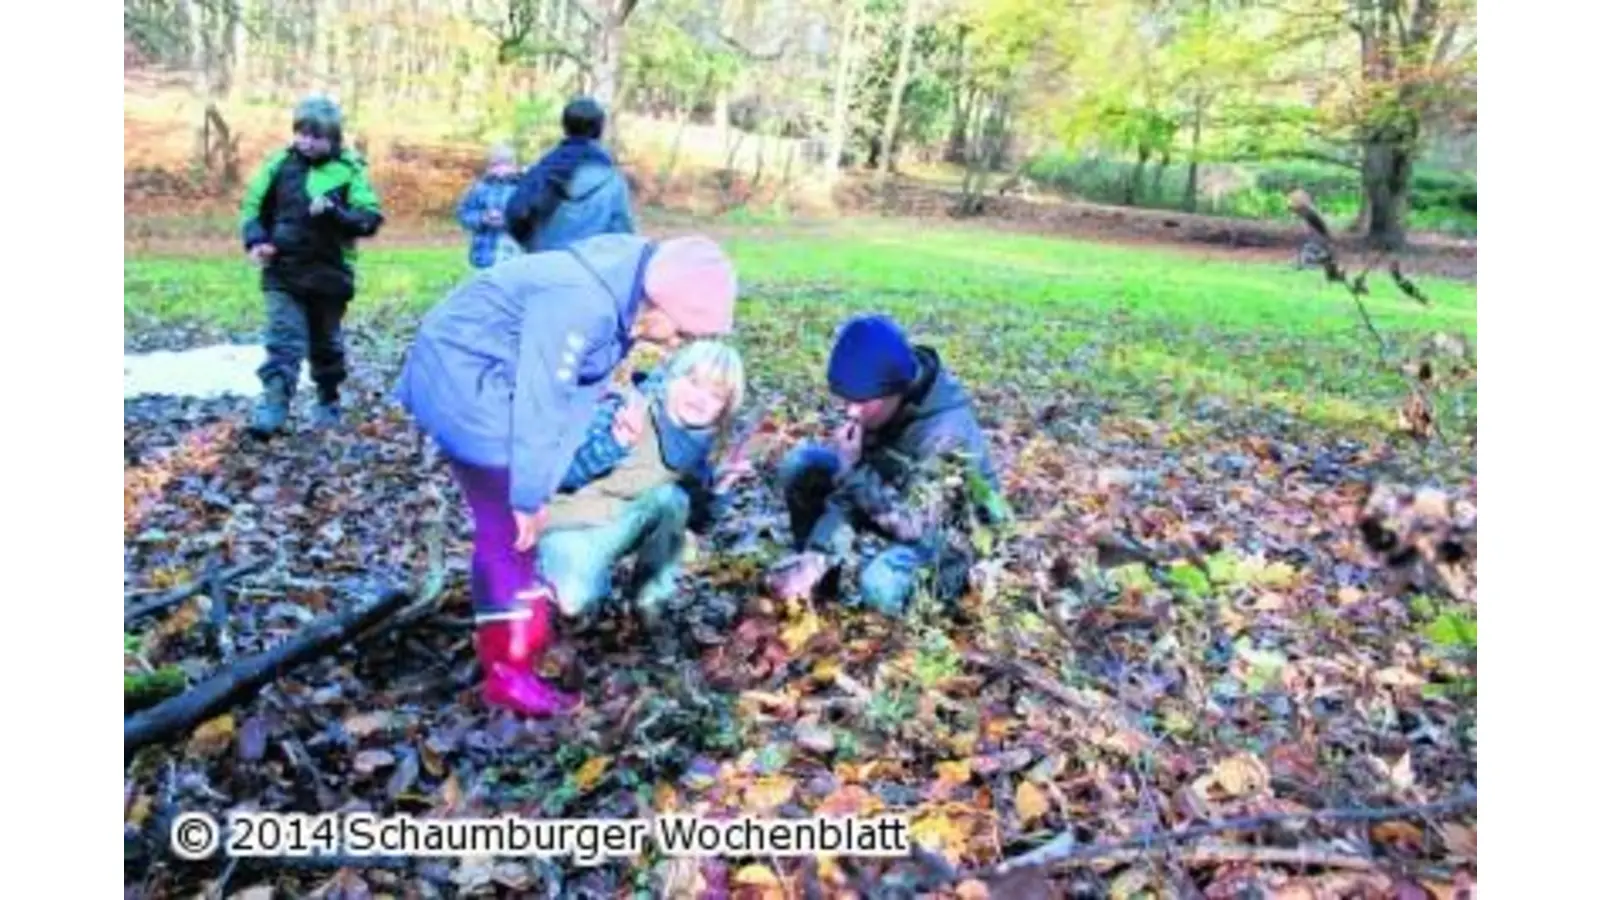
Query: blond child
641	479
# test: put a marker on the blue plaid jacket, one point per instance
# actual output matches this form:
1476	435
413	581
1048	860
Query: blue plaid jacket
486	194
685	452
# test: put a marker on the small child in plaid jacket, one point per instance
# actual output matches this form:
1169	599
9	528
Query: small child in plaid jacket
482	210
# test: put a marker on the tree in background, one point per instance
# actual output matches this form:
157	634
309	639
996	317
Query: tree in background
1392	69
811	88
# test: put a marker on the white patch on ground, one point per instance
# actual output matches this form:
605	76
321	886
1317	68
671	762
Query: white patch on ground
206	372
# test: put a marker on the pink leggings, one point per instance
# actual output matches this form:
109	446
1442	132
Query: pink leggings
499	572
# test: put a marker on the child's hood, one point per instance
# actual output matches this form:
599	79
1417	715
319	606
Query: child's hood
588	179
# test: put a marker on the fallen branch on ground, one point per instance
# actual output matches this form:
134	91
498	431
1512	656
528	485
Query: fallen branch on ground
248	675
1063	850
1036	678
135	612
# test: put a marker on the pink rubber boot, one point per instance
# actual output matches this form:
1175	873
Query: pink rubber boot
508	651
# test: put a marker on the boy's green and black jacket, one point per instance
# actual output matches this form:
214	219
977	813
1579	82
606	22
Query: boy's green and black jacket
314	253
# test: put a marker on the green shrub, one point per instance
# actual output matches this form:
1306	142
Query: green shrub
1441	201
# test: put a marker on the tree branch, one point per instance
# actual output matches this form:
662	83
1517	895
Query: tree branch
247	676
1314	156
588	12
1063	851
135	612
747	53
525	51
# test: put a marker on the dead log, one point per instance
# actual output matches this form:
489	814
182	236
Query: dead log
245	677
135	612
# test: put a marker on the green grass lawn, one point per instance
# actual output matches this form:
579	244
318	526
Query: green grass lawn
1155	331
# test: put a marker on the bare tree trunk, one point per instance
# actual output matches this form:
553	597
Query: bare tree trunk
955	148
1191	190
1386	166
788	169
1136	178
839	127
194	26
235	71
902	69
608	68
975	178
761	152
1389	139
607	62
720	117
664	178
318	69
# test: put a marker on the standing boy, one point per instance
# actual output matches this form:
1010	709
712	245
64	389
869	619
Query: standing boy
302	214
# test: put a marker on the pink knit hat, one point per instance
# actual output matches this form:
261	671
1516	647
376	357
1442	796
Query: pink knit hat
693	282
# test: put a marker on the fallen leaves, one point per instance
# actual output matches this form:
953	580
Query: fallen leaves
761	879
814	737
1032	803
1141	687
943	832
1461	840
589	774
768	793
797	634
1238	776
369	761
367	724
213	737
850	800
1402	835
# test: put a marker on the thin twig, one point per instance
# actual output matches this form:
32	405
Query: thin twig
221	635
1356	290
1221	854
135	612
1060	851
220	888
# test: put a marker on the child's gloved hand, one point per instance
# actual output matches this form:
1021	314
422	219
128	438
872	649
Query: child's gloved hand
320	205
493	218
260	253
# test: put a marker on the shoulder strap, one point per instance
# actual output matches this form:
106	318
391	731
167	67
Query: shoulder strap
638	278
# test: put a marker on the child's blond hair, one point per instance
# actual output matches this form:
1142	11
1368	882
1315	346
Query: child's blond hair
718	362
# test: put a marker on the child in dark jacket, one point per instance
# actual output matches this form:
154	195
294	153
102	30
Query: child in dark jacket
302	214
482	211
641	480
905	412
574	191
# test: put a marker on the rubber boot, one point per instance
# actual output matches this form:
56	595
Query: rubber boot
272	410
508	651
327	411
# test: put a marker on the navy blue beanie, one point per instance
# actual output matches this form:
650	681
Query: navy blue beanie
871	359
